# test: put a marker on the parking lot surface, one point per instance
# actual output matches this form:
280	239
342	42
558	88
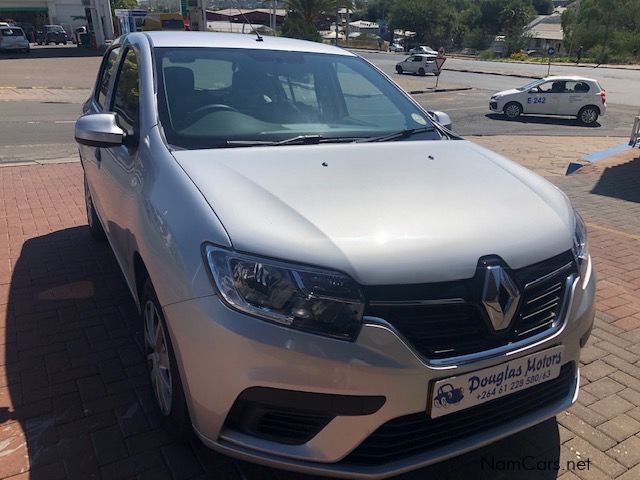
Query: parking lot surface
74	397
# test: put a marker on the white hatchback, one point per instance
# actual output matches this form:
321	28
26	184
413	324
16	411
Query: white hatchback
418	64
581	97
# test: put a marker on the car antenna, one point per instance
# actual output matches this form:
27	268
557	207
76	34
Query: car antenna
259	37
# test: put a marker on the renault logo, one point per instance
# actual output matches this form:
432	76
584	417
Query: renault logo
500	297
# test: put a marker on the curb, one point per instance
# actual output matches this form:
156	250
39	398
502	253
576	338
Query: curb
557	64
52	161
439	90
502	74
42	88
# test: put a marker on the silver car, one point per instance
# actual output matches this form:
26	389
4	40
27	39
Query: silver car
329	280
13	39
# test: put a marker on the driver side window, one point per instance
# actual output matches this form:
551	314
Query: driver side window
546	87
126	98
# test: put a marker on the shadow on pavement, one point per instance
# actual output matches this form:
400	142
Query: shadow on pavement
52	51
620	181
542	120
79	404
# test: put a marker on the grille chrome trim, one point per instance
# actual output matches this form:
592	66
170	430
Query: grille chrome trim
408	303
546	277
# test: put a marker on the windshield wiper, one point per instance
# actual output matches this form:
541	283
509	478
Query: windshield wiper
401	134
297	140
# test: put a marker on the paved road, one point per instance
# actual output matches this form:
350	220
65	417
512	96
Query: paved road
621	84
469	109
37	123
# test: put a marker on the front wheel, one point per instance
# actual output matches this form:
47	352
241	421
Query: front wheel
399	69
512	110
421	72
588	115
95	227
163	368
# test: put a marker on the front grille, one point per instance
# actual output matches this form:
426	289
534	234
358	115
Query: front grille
439	329
417	433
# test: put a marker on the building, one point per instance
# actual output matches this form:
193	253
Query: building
258	16
545	31
96	14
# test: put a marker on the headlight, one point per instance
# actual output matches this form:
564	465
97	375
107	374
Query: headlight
580	245
318	301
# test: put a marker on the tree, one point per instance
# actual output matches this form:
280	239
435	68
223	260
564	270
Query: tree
432	20
543	7
125	4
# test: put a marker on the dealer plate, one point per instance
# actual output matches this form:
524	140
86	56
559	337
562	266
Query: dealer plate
457	393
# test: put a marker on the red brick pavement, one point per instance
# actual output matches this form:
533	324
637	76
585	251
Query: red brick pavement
74	396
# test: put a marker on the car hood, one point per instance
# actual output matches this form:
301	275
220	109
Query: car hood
384	213
511	91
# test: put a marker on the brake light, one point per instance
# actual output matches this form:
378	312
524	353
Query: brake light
603	96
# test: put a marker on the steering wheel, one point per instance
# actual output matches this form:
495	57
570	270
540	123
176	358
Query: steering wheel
213	107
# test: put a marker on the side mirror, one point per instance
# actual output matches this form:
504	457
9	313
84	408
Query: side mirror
99	130
443	119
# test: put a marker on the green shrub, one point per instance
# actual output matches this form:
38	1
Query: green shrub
519	56
487	55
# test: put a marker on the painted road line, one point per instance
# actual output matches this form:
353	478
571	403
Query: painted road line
65	121
595	156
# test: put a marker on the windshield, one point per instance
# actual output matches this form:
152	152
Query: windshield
529	86
209	97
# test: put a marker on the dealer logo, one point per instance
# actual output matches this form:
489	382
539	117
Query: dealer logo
500	296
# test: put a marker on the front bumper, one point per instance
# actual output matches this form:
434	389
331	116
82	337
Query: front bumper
493	106
222	353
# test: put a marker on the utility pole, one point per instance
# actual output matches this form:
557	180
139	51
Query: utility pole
346	26
203	20
337	19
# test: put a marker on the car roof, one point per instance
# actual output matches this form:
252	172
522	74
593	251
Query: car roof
569	78
163	39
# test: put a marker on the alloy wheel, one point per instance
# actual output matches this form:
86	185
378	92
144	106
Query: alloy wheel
158	357
588	115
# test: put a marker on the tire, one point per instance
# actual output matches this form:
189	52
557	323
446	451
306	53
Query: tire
588	115
95	227
512	110
437	74
399	69
163	368
421	72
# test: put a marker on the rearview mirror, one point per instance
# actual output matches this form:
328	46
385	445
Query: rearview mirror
443	119
99	130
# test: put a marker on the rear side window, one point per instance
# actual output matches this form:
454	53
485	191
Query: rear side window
12	32
126	100
108	69
576	87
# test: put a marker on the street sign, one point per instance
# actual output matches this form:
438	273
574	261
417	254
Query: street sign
551	51
440	62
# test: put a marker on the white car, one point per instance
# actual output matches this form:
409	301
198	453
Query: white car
395	47
423	49
418	64
581	97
